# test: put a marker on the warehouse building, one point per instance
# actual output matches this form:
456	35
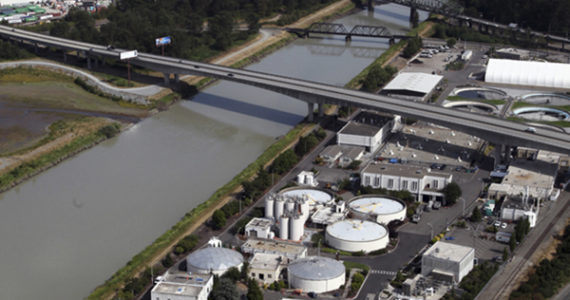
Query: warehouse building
528	73
368	129
213	259
182	286
412	86
423	183
281	248
259	228
266	268
448	262
513	53
354	235
316	274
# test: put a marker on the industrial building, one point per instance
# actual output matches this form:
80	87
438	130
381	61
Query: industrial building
259	228
513	53
412	86
354	235
533	179
306	178
380	208
368	130
331	153
350	154
448	262
182	286
266	268
329	214
316	274
424	184
281	248
313	196
528	73
213	259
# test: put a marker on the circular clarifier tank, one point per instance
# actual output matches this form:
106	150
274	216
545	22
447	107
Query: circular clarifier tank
382	209
355	235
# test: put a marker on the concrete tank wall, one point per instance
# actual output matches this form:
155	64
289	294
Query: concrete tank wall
284	228
296	228
316	286
353	246
269	207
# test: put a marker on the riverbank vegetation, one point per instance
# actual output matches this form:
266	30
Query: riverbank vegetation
549	275
473	283
8	51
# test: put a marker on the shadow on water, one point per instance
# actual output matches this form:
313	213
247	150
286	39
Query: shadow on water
249	109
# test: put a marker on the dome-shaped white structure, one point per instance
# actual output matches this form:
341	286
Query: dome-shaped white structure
214	259
357	235
380	208
316	274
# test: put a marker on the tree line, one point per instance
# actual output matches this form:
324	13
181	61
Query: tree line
199	28
551	16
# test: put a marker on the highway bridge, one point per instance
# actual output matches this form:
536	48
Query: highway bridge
498	131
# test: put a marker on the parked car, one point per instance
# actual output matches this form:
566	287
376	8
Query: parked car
497	224
504	225
437	205
530	129
416	218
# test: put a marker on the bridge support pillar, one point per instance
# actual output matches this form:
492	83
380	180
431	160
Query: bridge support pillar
370	4
176	77
166	78
64	57
391	41
88	62
96	60
321	110
506	151
311	107
36	48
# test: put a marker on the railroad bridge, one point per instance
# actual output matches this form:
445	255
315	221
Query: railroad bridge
340	29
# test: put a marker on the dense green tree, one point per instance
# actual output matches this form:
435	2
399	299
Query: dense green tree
284	162
218	219
244	271
233	274
505	254
253	290
476	215
305	144
512	243
451	192
220	28
414	45
224	289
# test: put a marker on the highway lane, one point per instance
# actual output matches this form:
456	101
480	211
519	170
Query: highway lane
439	115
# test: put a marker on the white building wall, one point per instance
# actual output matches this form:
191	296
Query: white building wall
459	268
203	295
316	286
387	218
466	265
269	276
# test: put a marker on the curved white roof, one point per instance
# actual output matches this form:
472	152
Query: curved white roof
356	230
377	205
315	196
215	258
529	73
414	81
316	268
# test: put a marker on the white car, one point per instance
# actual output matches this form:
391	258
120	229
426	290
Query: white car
497	224
530	129
504	225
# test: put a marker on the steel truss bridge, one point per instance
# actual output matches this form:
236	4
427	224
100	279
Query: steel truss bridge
340	29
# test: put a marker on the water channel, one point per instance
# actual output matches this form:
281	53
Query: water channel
69	229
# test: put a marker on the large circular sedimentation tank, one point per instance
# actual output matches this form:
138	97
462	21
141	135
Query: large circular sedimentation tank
316	274
214	260
314	195
383	209
357	235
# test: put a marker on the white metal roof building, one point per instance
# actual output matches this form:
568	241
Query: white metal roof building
383	209
15	2
357	235
259	228
182	286
316	274
448	261
412	84
528	73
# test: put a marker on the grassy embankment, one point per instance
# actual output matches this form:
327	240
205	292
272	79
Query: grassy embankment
33	88
488	101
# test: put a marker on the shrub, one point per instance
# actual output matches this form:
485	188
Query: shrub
218	219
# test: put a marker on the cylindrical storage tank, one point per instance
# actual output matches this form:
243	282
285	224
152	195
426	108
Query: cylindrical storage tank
314	195
214	260
269	207
382	209
297	228
305	210
290	206
284	227
357	235
279	203
271	235
316	274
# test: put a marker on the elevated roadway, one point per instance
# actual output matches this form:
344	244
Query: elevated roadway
495	130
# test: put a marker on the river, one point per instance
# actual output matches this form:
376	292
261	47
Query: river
70	228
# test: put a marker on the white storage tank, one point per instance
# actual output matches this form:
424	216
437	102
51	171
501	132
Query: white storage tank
316	274
269	203
382	209
357	235
279	208
284	227
297	228
305	210
314	196
290	206
215	260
